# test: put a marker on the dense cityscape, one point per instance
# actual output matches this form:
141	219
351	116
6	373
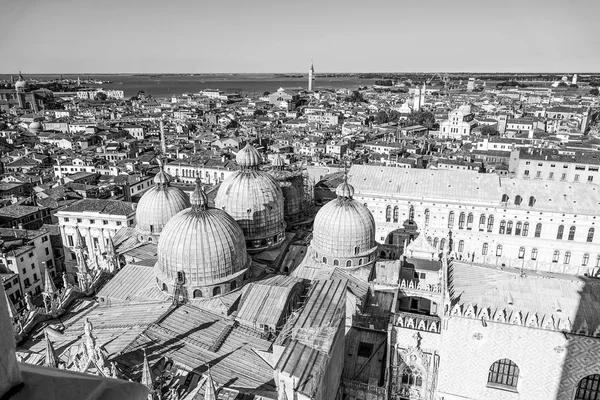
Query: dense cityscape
428	236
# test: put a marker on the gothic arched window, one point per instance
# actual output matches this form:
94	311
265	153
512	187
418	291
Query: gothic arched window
572	233
426	217
509	226
559	233
525	229
499	250
521	252
388	214
484	249
502	227
470	221
490	224
585	260
411	214
411	378
461	246
503	373
534	253
538	230
518	228
588	388
442	243
531	201
396	214
451	220
590	236
518	200
435	242
482	223
349	263
567	257
461	221
555	256
336	262
217	291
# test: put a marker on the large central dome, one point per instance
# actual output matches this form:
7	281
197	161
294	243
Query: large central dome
344	231
203	246
157	206
253	198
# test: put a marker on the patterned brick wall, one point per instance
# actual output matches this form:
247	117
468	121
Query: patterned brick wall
550	363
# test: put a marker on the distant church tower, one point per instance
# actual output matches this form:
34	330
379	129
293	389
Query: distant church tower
311	77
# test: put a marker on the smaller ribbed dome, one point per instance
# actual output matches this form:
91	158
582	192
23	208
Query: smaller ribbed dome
248	157
198	198
278	162
345	190
159	204
35	127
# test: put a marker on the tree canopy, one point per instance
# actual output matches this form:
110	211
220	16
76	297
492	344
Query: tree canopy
489	130
355	97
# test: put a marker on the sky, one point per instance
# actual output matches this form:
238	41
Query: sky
262	36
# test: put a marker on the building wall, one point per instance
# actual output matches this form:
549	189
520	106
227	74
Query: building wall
474	239
550	363
95	228
554	170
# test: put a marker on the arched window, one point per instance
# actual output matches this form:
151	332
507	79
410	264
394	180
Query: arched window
484	249
396	214
567	257
518	228
336	262
461	221
559	233
490	224
538	230
435	242
509	226
531	201
534	254
518	200
521	252
503	373
555	256
411	378
411	214
590	236
585	260
217	291
356	250
426	217
499	250
360	261
481	222
451	220
588	388
388	214
429	239
504	198
502	227
165	288
572	233
197	293
443	244
324	260
470	221
233	285
525	229
461	246
349	263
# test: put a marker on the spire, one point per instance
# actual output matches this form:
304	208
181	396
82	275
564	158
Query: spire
345	190
198	199
210	390
49	286
146	374
51	357
12	311
161	179
163	144
79	240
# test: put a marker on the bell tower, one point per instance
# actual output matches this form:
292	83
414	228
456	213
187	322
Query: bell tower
311	77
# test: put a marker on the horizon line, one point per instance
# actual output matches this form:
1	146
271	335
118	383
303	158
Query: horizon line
303	73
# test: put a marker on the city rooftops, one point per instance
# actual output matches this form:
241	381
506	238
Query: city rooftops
101	206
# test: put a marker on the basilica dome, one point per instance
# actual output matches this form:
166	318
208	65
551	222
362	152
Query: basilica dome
292	187
344	231
157	206
203	250
35	127
253	198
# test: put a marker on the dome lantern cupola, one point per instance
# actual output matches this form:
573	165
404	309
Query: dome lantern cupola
198	199
248	158
158	205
